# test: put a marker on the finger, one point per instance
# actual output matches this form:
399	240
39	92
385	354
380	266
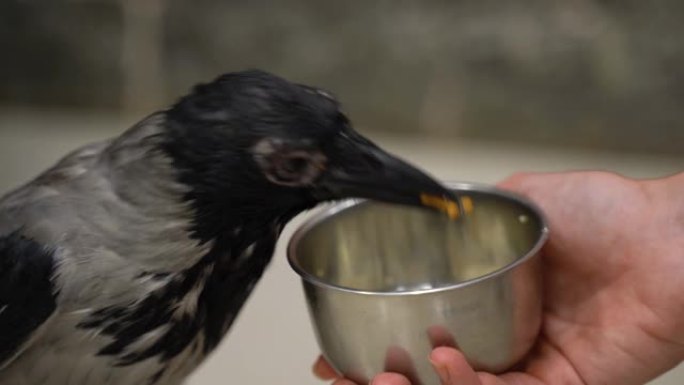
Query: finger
389	379
323	370
452	367
490	379
344	381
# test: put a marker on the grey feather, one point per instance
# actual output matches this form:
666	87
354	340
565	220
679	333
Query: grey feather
113	211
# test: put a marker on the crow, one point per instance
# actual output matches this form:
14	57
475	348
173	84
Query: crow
127	262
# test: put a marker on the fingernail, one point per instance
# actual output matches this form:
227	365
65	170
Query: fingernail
442	372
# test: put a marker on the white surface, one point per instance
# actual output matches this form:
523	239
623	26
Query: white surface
272	342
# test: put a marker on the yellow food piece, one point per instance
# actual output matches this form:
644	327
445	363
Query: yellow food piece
442	204
447	206
467	204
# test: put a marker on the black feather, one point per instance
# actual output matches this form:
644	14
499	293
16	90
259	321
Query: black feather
27	295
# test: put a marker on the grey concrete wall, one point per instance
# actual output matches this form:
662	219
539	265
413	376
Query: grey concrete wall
602	74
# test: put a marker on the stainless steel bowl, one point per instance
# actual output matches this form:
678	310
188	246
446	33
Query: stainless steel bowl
386	284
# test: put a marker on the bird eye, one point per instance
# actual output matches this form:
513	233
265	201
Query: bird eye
283	165
297	168
294	164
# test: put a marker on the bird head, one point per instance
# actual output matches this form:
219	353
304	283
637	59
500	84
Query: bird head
254	144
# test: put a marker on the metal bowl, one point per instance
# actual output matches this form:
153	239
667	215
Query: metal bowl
385	284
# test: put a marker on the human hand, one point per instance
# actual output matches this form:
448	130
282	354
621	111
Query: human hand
613	276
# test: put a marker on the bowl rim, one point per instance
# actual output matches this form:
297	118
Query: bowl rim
347	204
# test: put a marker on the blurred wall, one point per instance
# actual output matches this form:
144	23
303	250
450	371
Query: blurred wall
603	74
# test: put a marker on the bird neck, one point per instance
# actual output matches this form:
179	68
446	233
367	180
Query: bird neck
207	220
206	253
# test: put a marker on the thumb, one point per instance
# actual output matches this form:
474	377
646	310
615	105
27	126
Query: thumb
521	182
544	189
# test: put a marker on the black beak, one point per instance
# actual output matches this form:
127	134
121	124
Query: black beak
359	169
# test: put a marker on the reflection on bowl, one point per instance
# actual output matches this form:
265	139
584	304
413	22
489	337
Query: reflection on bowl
385	284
